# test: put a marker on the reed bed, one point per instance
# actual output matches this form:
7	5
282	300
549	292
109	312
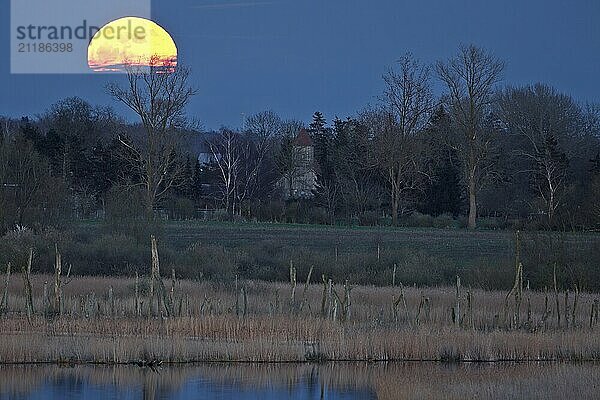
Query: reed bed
118	320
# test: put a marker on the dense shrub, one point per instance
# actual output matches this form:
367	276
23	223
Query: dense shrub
417	219
93	251
576	261
180	208
446	221
108	254
207	261
369	218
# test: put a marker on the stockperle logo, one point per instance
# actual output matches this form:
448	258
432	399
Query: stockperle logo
53	37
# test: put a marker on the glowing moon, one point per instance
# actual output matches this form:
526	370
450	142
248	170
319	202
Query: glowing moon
132	42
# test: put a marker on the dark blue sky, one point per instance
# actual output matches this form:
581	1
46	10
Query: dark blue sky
295	57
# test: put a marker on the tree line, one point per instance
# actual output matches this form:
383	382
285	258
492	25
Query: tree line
482	151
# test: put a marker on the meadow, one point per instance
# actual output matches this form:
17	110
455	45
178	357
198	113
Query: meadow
219	251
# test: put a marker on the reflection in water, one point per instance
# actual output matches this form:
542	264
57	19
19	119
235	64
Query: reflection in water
187	382
339	381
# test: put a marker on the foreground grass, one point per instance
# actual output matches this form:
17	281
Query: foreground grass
100	323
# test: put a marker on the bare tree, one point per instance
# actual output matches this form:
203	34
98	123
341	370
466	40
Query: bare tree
545	121
226	154
470	78
238	158
264	125
261	130
408	102
355	164
159	98
27	191
22	177
6	126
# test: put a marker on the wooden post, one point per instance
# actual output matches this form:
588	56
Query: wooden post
519	295
155	271
245	301
546	309
517	248
401	299
558	321
4	301
470	308
330	300
46	299
293	282
138	310
237	297
306	285
172	294
394	276
567	309
456	314
161	291
28	288
517	289
421	304
529	311
347	290
575	303
324	297
335	308
57	292
111	301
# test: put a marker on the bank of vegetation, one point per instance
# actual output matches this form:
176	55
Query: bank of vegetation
149	319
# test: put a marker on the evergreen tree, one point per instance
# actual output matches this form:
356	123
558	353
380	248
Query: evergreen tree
32	133
322	141
444	192
197	181
187	185
318	123
595	170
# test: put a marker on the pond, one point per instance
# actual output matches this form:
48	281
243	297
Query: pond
335	381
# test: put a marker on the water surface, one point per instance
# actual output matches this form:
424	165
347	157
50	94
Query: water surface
339	381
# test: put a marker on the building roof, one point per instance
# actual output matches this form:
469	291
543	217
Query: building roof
303	139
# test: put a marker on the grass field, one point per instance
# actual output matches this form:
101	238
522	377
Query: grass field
363	255
456	245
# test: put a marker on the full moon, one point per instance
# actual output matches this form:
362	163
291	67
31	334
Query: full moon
132	42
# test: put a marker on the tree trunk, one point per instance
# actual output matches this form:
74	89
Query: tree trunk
551	207
150	200
472	204
395	204
395	195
